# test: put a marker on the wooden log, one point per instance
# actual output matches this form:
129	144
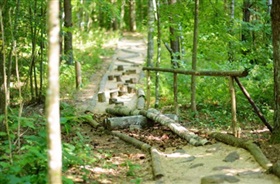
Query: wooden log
101	97
112	100
120	67
122	111
175	93
111	77
192	138
139	144
156	164
200	73
88	119
123	87
234	124
141	99
140	103
78	71
275	169
121	93
140	92
133	80
114	94
128	72
251	101
116	123
248	145
118	78
131	89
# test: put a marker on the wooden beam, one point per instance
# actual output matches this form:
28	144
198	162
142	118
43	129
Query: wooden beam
200	73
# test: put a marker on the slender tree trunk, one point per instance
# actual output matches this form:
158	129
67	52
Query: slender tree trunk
3	87
246	19
194	56
275	17
132	13
150	49
122	22
174	38
230	44
68	46
157	94
52	98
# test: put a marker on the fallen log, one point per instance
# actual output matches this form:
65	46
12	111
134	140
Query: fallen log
248	145
125	122
139	144
275	169
156	164
122	111
156	116
192	138
141	99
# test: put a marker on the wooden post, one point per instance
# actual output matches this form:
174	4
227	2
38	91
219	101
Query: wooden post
233	106
175	81
78	75
101	97
148	97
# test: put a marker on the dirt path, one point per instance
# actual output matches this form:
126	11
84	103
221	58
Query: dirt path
218	162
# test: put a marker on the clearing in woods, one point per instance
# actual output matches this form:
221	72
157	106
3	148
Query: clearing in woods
180	163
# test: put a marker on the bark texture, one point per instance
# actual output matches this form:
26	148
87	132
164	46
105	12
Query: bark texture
248	145
275	17
201	73
68	47
52	98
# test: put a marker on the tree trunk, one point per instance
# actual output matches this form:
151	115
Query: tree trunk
132	13
3	86
248	145
230	44
194	56
246	19
275	17
174	38
52	98
68	46
150	50
157	93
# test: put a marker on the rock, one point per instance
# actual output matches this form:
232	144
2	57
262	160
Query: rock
220	168
196	165
219	178
250	174
231	157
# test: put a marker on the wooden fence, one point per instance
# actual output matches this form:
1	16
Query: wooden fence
232	75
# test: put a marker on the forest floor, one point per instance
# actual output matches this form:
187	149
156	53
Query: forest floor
120	162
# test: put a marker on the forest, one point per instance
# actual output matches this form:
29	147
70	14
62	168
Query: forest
212	64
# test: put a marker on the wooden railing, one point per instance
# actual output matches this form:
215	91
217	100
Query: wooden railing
232	75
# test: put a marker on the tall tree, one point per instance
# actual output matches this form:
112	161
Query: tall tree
174	37
132	13
194	56
275	18
158	19
230	44
150	50
68	46
52	98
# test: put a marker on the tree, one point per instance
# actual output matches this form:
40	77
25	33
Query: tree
150	50
174	38
132	13
194	56
68	46
52	98
275	18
